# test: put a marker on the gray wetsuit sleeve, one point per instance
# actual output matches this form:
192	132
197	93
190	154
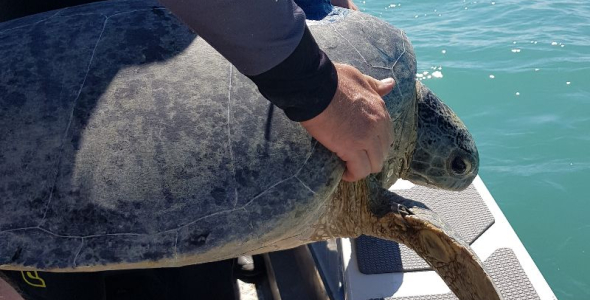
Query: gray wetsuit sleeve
254	35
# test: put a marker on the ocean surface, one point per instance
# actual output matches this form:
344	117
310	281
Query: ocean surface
518	74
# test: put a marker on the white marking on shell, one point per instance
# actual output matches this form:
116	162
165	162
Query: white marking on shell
229	142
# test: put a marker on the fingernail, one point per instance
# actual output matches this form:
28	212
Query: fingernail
387	80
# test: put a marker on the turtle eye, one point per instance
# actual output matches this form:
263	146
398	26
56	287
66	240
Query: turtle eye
460	166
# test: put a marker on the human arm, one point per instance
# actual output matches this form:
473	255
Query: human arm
268	41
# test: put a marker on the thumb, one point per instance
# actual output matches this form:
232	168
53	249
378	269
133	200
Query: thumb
382	87
385	86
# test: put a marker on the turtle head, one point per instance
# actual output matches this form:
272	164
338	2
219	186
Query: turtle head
445	155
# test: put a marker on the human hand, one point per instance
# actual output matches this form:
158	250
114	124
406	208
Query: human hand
345	3
356	125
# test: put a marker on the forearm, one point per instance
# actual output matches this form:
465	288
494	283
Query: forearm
265	40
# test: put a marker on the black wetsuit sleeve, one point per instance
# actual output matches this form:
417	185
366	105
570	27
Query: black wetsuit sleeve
304	84
268	41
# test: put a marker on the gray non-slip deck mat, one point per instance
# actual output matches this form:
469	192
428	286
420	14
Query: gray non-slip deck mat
507	274
464	211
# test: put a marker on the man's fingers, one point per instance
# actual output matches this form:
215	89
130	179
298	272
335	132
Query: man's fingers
382	87
357	167
376	154
357	129
385	86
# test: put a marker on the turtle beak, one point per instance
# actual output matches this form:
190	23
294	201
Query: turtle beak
445	156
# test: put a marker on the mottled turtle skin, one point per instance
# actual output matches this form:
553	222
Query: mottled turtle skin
126	141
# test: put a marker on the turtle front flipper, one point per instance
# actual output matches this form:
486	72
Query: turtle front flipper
412	223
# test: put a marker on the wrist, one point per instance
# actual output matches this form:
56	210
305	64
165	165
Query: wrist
304	84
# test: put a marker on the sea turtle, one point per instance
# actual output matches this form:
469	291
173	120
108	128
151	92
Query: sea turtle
126	141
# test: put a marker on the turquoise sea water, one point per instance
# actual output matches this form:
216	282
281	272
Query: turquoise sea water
518	74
